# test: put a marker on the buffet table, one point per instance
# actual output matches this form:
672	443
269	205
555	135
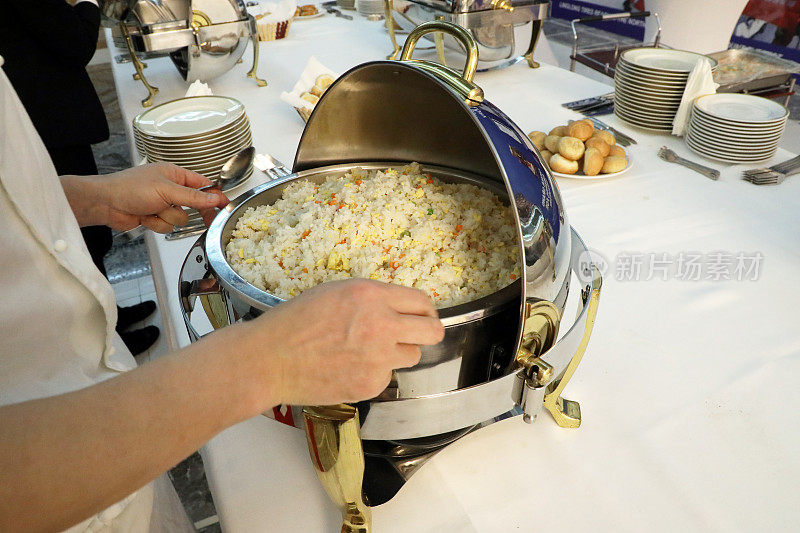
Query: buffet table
691	413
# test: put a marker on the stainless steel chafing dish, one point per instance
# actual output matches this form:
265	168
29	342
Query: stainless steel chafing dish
500	356
204	38
505	30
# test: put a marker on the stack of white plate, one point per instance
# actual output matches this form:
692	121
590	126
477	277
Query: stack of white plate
199	133
736	128
370	7
649	85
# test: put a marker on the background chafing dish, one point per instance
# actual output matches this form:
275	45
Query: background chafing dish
457	135
504	30
204	38
755	72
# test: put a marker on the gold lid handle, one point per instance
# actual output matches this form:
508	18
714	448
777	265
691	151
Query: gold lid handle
462	85
451	29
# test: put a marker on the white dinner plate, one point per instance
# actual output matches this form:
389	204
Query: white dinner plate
756	128
661	74
658	127
203	151
739	138
199	150
731	153
742	108
235	126
735	144
631	71
747	138
646	122
725	159
190	149
732	150
647	96
190	116
665	59
647	113
730	124
200	163
626	73
599	176
640	90
651	105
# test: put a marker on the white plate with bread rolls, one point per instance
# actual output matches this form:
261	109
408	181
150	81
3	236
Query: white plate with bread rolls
308	11
579	150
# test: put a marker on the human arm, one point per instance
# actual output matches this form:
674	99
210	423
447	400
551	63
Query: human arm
147	195
67	457
67	32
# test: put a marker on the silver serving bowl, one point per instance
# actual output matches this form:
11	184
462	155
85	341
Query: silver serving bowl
479	335
214	51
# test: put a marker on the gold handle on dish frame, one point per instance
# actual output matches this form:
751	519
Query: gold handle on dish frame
567	413
253	73
138	66
389	7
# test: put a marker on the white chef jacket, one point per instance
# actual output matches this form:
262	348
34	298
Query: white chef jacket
57	311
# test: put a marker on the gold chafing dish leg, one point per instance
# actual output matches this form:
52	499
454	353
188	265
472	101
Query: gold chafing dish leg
438	40
254	39
567	413
334	442
389	5
536	30
139	66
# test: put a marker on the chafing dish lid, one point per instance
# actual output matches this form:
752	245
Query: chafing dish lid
396	111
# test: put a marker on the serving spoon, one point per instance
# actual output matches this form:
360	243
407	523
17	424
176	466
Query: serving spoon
233	172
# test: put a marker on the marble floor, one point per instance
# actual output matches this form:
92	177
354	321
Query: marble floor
129	267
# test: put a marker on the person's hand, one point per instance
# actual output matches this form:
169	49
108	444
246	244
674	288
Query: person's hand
152	196
339	342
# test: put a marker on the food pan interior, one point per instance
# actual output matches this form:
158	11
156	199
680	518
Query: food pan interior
269	192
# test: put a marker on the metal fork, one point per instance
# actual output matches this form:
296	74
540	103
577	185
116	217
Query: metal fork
774	174
621	138
589	103
271	166
668	155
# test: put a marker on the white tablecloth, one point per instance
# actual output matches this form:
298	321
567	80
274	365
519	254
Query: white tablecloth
688	388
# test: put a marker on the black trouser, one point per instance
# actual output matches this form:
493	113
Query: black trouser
79	161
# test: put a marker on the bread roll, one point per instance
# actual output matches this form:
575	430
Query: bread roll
592	162
537	137
546	155
308	97
617	150
599	144
324	81
559	130
607	136
614	163
571	148
317	91
551	143
563	165
582	130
